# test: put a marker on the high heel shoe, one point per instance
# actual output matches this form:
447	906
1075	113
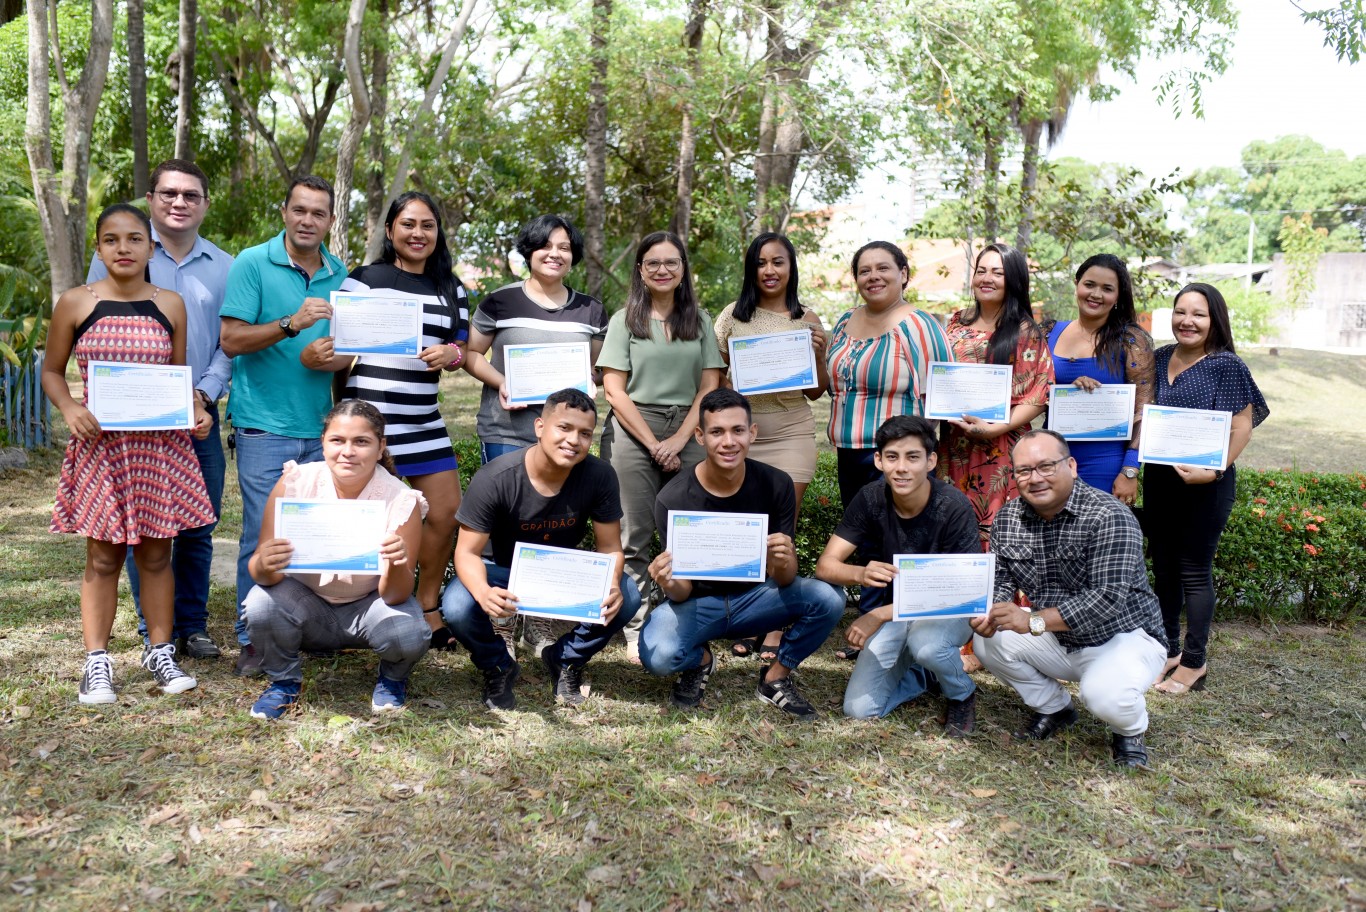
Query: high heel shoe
1171	665
1176	688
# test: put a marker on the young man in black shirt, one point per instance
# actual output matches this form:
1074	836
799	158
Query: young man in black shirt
676	634
908	512
542	495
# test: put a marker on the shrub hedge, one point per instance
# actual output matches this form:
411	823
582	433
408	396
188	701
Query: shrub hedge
1294	549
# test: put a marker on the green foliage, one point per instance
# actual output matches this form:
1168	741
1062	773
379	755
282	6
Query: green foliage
1295	548
1250	312
821	512
1302	245
1344	28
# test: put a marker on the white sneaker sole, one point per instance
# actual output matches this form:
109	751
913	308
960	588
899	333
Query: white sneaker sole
376	708
180	685
98	697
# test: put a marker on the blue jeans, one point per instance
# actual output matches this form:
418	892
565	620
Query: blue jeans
473	628
261	457
491	451
675	633
891	668
192	549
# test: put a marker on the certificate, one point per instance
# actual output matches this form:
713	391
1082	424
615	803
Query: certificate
964	388
561	583
376	323
1105	413
772	363
331	536
535	371
140	397
942	585
1182	436
718	546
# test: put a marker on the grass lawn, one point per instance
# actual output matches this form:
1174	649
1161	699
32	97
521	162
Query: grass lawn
1256	799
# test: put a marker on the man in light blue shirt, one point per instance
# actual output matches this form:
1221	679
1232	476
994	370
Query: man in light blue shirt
276	306
197	270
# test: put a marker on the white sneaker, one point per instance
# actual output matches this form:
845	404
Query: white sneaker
97	680
160	661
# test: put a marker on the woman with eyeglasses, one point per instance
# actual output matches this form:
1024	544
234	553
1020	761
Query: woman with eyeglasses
998	328
1185	508
658	360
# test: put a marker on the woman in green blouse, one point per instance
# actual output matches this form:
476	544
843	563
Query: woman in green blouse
659	359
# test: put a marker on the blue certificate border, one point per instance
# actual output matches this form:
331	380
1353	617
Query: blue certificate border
365	563
804	379
537	399
582	612
1212	459
744	572
977	606
997	413
1114	432
407	348
174	420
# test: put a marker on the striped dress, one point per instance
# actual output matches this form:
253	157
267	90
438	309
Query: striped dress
873	379
126	485
403	389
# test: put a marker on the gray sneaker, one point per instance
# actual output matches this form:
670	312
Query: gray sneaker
160	661
97	680
199	645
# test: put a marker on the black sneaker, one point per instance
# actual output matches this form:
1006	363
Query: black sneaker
961	718
783	694
498	687
160	661
691	685
566	681
97	679
248	662
198	645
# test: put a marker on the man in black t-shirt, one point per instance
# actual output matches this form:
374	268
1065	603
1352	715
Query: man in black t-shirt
909	511
541	495
676	634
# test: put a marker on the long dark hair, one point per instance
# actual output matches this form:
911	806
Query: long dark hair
685	322
749	288
1220	338
359	408
1119	323
1016	314
438	268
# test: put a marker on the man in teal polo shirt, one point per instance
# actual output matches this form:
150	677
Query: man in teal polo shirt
277	303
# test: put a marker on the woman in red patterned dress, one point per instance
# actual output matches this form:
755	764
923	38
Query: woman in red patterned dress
122	488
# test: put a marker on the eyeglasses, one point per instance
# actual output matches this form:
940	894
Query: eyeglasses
1044	469
190	197
669	266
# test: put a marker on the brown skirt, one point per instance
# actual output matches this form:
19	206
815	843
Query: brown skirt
787	441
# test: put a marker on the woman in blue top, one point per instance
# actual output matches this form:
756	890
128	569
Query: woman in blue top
1104	345
1185	508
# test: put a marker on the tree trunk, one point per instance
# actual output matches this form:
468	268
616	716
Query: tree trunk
595	148
184	118
10	10
418	124
61	195
681	223
379	113
991	208
781	136
137	91
355	126
1029	179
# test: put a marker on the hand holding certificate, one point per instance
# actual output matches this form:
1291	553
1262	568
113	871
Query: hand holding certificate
966	388
1181	436
533	372
1104	413
772	363
561	583
942	585
732	547
140	397
376	322
331	536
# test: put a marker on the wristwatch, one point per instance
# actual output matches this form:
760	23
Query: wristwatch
1130	472
1037	627
286	328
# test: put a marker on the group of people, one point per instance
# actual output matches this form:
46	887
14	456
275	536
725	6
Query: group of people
1071	601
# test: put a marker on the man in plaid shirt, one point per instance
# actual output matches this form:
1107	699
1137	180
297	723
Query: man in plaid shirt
1077	555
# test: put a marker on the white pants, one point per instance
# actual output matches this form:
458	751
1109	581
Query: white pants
1113	676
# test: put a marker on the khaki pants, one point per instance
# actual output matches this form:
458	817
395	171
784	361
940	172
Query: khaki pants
640	479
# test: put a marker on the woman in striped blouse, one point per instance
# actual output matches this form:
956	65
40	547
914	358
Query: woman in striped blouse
878	357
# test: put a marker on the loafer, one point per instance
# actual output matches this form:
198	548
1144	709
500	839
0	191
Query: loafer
1045	725
199	645
1129	751
248	663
